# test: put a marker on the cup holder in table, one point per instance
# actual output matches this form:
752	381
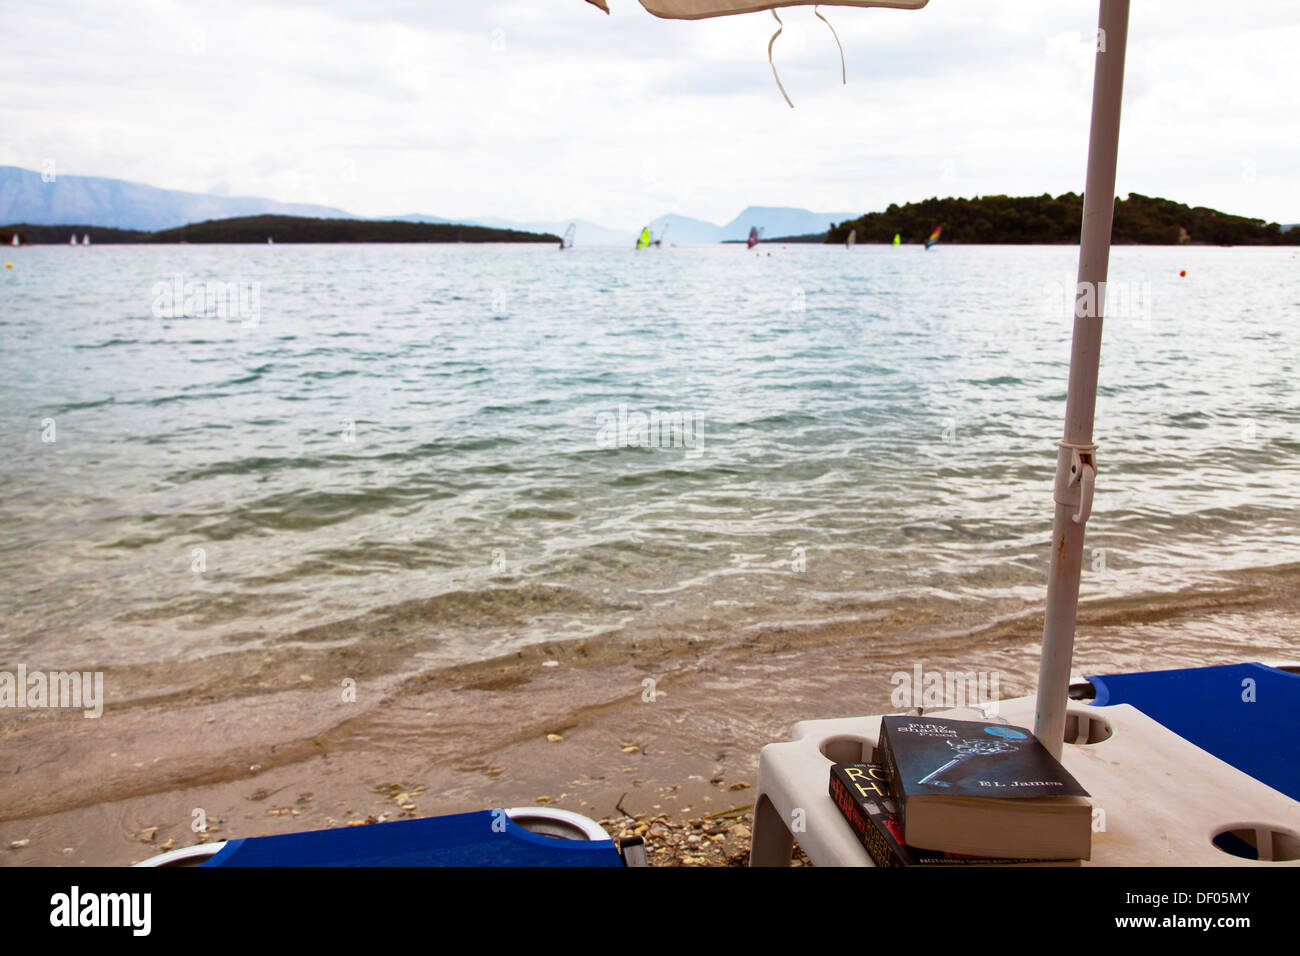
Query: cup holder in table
1258	841
848	749
1085	729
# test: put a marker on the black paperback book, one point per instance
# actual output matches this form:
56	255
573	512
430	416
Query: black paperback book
861	791
969	758
982	788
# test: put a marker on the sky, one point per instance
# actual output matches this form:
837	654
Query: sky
550	109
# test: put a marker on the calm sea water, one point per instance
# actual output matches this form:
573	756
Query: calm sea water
423	443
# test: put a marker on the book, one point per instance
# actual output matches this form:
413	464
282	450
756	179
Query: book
982	789
861	791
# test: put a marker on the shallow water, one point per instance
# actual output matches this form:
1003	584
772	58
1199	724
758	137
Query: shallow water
421	445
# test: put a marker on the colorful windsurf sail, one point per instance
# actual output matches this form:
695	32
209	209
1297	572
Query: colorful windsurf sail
898	239
643	240
934	237
754	233
853	237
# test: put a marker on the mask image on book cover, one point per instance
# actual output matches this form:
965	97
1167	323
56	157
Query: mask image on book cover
964	750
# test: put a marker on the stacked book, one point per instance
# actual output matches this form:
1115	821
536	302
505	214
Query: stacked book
947	792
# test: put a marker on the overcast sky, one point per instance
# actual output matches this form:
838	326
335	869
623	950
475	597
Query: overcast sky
548	109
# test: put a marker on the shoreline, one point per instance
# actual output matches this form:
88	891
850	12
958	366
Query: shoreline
646	733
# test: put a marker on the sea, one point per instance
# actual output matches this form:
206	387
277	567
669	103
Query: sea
463	450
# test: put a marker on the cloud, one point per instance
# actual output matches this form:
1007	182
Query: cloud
543	110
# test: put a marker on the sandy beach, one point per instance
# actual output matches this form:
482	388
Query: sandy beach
649	735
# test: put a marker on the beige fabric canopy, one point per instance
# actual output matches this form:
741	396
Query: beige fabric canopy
700	9
703	9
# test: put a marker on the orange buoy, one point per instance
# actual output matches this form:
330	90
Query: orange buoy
1183	273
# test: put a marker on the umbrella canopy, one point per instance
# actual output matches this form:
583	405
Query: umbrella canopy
1076	467
702	9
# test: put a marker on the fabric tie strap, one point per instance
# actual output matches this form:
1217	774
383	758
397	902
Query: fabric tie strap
844	75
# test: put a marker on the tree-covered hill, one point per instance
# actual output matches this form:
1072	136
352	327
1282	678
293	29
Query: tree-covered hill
1139	220
29	235
301	229
257	229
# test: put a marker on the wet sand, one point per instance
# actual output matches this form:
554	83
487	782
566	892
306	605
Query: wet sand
642	732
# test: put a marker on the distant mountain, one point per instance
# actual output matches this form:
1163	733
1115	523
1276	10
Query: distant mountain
782	221
117	203
683	230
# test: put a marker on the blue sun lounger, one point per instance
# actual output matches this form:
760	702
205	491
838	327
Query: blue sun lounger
1247	715
483	838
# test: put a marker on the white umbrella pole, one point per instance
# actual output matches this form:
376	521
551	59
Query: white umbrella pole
1076	461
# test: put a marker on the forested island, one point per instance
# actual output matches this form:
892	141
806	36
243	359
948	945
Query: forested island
1139	220
285	229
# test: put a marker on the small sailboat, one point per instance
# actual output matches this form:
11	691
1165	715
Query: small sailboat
755	234
85	239
73	241
567	241
15	240
898	239
934	237
853	237
270	241
647	239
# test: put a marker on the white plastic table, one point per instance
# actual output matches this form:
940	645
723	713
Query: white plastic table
1162	800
